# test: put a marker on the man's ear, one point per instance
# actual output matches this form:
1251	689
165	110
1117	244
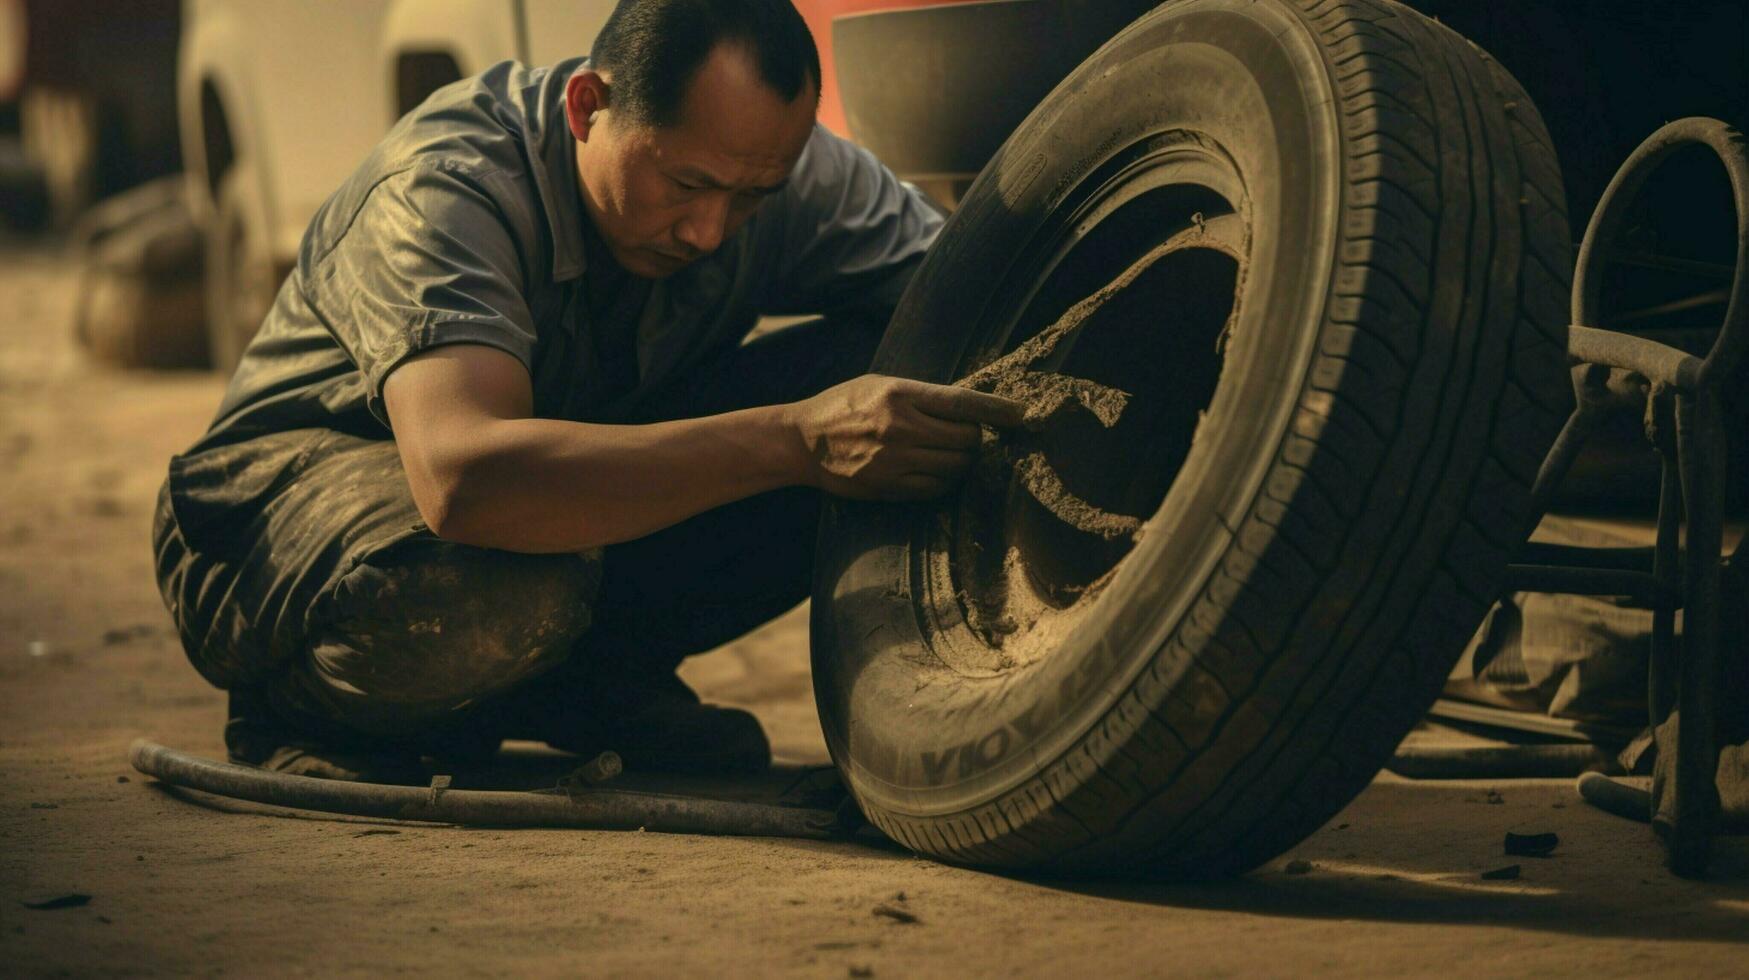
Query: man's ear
585	95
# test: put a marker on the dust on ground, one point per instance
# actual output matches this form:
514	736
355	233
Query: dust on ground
1392	885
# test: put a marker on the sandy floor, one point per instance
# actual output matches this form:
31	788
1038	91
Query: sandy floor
87	664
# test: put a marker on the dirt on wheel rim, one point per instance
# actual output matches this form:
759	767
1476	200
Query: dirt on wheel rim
1000	598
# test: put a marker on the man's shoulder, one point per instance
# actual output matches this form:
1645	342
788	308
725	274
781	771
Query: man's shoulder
840	187
829	160
480	128
483	137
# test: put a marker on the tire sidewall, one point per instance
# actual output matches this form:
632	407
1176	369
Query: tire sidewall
237	262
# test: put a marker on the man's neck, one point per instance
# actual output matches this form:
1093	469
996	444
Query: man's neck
600	272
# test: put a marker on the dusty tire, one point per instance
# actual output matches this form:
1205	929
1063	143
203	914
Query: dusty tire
1372	231
141	303
241	276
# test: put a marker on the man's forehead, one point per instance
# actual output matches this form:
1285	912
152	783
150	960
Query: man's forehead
731	118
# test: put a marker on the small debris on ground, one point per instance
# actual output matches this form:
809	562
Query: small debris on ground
38	648
862	971
126	634
45	806
374	833
895	913
65	900
1508	873
1495	797
1530	845
122	779
1297	867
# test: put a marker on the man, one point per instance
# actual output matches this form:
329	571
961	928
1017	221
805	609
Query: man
499	458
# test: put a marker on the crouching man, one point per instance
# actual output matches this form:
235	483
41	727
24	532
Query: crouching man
500	458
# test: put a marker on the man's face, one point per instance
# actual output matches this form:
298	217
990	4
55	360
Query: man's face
663	197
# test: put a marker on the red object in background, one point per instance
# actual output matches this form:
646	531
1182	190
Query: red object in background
819	15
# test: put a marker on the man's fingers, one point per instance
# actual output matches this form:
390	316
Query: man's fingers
939	433
934	462
966	405
919	486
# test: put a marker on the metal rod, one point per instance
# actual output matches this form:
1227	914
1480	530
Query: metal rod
1499	761
1685	794
1632	558
593	809
1658	363
1561	456
1669	263
1580	580
1712	297
1660	696
1618	798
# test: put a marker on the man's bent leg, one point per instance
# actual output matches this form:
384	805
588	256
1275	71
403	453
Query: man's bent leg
700	583
709	579
350	623
417	636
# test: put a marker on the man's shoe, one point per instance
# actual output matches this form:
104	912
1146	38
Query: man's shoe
655	724
322	762
254	737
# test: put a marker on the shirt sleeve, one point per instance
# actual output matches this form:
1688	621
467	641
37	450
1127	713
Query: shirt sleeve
847	235
428	260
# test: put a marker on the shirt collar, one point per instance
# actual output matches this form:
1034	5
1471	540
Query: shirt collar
553	162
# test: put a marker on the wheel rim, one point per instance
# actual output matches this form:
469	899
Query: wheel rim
1048	515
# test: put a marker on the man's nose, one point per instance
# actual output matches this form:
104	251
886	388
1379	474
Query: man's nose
705	224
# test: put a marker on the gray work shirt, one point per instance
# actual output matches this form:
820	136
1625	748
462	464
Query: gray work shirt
466	225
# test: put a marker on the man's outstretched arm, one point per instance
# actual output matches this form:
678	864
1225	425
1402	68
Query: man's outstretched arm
483	472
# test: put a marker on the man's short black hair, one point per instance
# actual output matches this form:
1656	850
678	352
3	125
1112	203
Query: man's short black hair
653	48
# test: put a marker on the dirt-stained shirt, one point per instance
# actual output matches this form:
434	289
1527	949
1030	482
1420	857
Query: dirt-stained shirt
466	225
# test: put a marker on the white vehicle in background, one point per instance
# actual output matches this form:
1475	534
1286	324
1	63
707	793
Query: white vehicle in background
279	101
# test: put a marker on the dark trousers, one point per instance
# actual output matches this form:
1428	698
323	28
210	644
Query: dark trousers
345	618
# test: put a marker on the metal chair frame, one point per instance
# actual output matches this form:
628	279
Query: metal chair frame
1679	396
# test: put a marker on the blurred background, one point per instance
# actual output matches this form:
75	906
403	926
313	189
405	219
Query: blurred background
176	148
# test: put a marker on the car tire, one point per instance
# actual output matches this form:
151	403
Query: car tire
241	276
1340	325
141	302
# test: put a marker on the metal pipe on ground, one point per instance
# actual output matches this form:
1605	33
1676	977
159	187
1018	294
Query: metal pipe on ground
1499	762
586	809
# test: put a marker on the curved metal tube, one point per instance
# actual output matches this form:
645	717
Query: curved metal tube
1658	363
1610	796
1588	275
590	809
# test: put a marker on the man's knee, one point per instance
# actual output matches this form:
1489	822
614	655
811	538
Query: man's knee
431	627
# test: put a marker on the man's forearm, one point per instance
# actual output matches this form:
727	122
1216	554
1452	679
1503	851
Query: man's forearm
543	485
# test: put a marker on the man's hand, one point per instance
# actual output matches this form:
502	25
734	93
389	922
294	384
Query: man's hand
881	438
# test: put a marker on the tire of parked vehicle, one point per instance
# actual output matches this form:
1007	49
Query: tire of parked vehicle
241	276
1342	332
140	301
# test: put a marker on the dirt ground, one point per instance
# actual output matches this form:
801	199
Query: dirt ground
87	663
